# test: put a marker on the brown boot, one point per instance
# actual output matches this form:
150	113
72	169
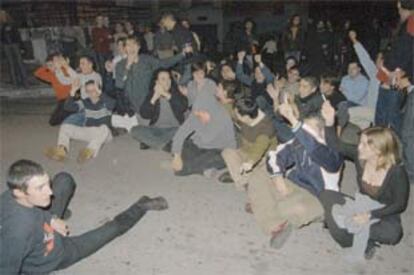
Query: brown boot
56	153
85	154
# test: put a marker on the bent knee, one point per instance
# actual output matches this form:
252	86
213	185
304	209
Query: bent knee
65	181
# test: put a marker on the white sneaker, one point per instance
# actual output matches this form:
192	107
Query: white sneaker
125	121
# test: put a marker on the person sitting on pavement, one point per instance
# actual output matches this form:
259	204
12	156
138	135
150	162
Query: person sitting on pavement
300	170
34	238
257	137
165	107
198	143
98	110
59	75
381	178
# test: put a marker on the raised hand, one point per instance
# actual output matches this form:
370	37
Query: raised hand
353	36
328	113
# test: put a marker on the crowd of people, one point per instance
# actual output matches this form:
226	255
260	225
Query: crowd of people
281	135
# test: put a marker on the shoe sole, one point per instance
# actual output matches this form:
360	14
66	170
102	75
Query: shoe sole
282	237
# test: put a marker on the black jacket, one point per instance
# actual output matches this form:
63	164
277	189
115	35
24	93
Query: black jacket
178	103
395	190
401	55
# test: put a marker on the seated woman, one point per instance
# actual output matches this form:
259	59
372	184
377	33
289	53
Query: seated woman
164	107
300	170
198	143
381	178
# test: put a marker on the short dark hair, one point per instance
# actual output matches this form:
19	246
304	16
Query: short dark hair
198	66
407	4
87	57
169	15
313	81
330	79
230	87
121	40
53	55
21	172
247	106
134	38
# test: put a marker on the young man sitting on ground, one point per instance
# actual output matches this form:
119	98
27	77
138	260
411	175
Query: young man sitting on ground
98	110
257	137
300	170
33	237
59	75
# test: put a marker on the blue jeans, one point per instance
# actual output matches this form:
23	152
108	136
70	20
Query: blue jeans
152	136
407	136
388	111
77	119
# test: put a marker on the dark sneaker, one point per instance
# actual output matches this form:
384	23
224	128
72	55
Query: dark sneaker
280	236
370	250
248	208
143	146
158	203
225	178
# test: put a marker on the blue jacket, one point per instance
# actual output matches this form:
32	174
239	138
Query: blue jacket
306	161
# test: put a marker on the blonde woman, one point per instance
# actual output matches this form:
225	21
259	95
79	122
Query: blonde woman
381	177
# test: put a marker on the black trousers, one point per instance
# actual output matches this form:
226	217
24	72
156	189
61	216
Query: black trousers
79	247
59	114
387	231
196	160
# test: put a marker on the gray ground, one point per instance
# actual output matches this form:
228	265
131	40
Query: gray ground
205	231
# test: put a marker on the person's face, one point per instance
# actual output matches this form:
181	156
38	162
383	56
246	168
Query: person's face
120	47
353	70
168	23
56	61
92	91
38	192
164	80
365	150
119	28
293	76
132	48
248	26
305	88
227	73
128	26
258	75
85	66
199	76
326	88
404	14
320	25
203	116
185	24
99	21
290	63
296	21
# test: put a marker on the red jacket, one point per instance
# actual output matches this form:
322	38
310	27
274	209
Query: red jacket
101	40
47	75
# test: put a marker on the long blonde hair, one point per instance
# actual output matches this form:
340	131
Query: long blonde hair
386	143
